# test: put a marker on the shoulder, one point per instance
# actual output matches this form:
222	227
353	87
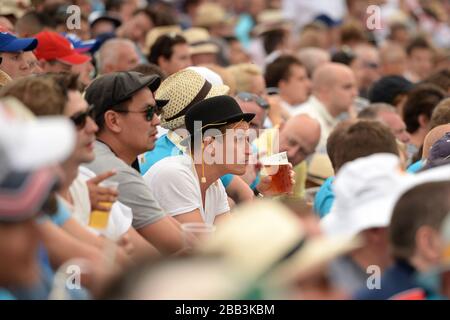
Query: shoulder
172	167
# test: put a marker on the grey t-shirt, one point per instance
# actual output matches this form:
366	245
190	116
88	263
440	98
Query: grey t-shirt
133	192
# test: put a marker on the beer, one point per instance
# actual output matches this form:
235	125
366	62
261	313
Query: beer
99	219
277	166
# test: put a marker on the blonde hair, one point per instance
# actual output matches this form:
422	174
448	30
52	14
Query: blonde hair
243	74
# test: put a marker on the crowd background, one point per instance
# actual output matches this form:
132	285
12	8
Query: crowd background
355	92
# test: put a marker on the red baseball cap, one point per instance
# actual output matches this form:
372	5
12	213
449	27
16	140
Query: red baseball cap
53	46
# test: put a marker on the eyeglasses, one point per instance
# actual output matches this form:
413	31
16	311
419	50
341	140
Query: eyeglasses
251	97
79	119
149	112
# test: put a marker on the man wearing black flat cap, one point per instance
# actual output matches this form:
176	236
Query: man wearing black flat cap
127	115
189	187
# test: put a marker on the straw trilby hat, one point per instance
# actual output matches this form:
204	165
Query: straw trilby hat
183	89
200	41
210	14
156	32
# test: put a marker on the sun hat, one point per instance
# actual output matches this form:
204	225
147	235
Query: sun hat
210	14
366	191
54	46
157	32
28	147
183	89
199	41
33	142
211	76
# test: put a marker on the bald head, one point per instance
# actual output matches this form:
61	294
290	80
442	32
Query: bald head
117	55
433	136
334	85
313	57
299	138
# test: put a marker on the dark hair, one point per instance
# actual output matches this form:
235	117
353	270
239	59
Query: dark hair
149	69
418	43
424	205
344	56
440	79
334	138
280	69
271	39
361	139
111	5
163	47
421	101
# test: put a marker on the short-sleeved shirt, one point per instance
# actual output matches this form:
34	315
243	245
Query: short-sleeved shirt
179	192
164	148
133	192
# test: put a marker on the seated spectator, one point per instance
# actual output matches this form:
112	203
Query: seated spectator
202	49
12	57
171	53
117	55
420	59
56	54
127	128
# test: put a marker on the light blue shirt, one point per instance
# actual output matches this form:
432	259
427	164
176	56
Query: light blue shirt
324	198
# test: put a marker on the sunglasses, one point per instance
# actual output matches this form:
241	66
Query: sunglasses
251	97
79	119
149	112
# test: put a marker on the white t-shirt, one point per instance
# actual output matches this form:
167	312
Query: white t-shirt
120	218
174	184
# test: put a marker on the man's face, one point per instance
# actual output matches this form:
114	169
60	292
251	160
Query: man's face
260	115
84	150
102	26
298	142
204	58
421	62
84	72
14	64
127	59
33	63
136	28
55	66
138	133
396	124
237	53
179	60
236	142
343	92
18	249
296	89
367	69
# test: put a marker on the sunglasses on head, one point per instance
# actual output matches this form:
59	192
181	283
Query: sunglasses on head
251	97
79	119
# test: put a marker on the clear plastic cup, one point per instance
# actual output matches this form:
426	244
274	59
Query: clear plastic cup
196	232
99	219
277	166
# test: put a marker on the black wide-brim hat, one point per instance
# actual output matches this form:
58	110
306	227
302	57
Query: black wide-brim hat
214	112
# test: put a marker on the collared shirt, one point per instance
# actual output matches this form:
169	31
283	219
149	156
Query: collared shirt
316	110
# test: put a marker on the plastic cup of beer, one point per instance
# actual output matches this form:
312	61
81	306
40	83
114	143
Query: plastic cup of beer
195	233
99	219
277	166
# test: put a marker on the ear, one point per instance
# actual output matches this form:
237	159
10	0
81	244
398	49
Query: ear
208	144
162	62
427	244
112	121
423	121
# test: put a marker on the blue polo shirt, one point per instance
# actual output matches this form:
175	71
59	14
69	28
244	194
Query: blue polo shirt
324	198
165	148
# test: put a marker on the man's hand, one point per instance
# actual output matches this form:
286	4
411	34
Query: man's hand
98	194
265	186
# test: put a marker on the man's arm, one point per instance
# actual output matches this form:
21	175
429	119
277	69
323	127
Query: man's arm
239	191
164	234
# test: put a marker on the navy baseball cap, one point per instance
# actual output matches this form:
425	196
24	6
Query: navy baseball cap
10	43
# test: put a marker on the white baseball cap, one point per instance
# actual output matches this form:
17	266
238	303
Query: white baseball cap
366	191
30	142
213	77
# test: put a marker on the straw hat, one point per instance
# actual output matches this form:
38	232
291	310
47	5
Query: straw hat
156	32
200	41
183	89
4	78
320	168
269	20
13	7
209	14
265	240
